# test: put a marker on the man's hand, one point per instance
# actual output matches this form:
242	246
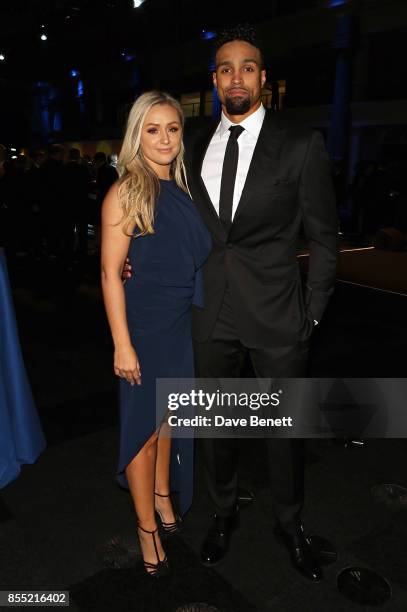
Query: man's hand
126	272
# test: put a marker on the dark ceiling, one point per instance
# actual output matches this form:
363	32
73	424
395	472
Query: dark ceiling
90	32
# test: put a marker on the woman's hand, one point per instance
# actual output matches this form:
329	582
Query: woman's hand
127	365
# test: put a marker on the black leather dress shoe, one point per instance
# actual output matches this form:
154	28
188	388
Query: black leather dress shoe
216	544
302	557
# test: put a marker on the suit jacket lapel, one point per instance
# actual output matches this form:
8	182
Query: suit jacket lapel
265	154
265	158
199	192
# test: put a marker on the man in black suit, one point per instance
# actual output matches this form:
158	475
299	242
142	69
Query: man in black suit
256	181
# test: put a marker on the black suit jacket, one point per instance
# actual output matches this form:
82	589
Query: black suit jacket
288	184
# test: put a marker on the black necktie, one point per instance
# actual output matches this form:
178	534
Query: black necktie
227	183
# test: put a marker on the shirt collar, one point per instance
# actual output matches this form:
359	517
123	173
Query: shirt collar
251	124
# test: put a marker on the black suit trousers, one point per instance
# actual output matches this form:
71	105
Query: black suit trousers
223	356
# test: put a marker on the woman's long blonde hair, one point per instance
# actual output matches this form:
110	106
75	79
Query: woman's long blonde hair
139	185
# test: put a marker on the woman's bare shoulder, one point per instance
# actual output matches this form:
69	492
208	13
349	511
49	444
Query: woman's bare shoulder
111	205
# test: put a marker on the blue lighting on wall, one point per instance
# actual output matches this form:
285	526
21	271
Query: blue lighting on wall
80	89
44	122
57	123
333	3
128	57
208	35
46	117
52	94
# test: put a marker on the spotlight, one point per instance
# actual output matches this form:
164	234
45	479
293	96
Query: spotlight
74	73
127	57
137	3
2	57
44	34
208	34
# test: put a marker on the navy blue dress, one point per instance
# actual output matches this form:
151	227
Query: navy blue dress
166	280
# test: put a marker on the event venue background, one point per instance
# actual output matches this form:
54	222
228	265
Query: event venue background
69	73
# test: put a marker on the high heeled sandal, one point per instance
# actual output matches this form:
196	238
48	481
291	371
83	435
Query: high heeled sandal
161	568
169	528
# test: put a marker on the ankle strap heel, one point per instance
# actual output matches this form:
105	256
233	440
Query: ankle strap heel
174	528
161	568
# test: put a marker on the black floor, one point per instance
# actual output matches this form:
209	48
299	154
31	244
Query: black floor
64	524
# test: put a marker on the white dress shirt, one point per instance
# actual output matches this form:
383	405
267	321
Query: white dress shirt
213	161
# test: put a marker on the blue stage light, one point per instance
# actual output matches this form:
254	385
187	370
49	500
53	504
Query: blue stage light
127	57
208	34
74	73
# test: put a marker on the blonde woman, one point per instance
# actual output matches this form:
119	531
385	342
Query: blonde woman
149	217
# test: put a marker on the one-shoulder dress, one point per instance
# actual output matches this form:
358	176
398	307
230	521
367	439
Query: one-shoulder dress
166	279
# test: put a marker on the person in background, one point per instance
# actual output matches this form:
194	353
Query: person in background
105	176
13	203
3	205
113	160
76	187
32	184
51	199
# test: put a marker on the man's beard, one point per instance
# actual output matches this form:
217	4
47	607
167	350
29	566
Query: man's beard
237	105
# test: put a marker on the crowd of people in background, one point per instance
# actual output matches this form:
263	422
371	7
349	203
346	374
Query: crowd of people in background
50	202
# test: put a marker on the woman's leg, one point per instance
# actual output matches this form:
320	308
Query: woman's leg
140	474
162	474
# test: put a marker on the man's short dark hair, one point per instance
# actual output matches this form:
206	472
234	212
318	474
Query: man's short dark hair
74	154
244	32
55	151
100	157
